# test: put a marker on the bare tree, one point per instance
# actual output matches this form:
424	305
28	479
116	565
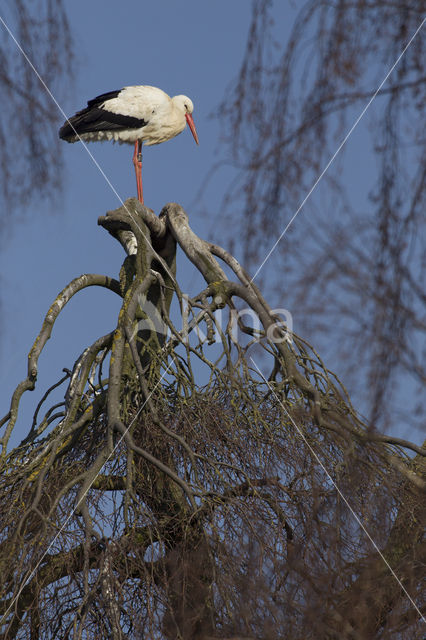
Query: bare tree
351	276
215	483
30	157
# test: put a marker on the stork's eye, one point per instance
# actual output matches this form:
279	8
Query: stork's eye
186	107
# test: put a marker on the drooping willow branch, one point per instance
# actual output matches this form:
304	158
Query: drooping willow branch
180	426
153	238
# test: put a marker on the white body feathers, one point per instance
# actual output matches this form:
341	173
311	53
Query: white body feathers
159	116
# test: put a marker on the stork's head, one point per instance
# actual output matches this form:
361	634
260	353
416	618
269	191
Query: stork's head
185	104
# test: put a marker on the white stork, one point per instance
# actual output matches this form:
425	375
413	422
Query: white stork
133	115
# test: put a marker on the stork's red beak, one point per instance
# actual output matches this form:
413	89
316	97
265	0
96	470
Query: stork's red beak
191	125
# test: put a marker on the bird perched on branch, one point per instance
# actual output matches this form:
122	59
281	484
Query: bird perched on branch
132	115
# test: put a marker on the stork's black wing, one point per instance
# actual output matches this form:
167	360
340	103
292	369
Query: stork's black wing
95	102
96	118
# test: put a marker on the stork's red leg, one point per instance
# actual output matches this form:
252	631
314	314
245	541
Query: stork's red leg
140	171
137	162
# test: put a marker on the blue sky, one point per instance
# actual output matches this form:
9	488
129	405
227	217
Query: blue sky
193	48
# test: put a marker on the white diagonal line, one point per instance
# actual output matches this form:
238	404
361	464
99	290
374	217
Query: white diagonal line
79	137
341	145
359	521
29	577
